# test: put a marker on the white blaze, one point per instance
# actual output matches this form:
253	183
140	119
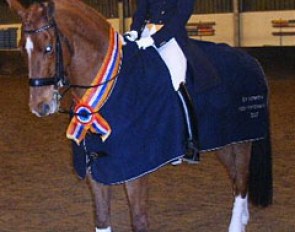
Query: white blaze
29	47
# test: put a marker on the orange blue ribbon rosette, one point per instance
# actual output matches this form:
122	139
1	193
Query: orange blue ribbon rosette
86	113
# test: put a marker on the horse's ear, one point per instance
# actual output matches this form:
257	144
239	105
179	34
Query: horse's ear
50	9
17	7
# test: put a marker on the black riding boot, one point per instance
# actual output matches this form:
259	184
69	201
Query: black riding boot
192	153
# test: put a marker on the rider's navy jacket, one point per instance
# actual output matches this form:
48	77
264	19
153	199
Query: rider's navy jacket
173	14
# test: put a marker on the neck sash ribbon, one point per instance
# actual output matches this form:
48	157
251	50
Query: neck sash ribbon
86	113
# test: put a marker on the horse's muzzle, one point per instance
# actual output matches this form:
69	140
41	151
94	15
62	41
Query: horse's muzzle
46	108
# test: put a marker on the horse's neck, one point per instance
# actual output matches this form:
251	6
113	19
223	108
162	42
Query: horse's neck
88	38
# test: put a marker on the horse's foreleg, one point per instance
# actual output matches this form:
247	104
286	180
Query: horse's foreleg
236	160
102	199
137	192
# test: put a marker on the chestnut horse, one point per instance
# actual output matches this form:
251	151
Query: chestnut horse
66	42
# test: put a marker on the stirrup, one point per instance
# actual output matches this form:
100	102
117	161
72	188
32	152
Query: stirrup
192	155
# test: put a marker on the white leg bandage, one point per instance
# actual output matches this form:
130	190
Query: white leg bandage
236	224
109	229
246	214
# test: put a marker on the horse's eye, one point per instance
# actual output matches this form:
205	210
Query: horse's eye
48	49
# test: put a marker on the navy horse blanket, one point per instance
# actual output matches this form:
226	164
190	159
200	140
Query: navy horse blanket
147	120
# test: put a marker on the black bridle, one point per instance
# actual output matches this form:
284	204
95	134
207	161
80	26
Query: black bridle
59	78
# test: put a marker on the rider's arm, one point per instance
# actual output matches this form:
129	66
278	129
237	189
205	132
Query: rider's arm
176	23
139	16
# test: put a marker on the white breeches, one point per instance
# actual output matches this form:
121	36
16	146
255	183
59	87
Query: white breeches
173	57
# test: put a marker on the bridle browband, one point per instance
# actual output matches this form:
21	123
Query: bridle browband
59	78
41	29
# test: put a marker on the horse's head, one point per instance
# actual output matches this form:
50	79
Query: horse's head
39	41
57	35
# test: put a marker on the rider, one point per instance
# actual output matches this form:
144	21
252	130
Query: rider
161	24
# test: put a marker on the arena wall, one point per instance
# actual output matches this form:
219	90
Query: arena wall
256	28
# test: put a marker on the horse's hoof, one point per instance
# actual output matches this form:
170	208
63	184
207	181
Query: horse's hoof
176	162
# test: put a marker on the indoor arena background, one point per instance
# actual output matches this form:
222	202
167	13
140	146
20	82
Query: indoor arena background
39	191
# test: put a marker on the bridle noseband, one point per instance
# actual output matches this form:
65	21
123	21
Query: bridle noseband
58	79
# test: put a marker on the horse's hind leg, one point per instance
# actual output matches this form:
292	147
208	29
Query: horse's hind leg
102	198
236	159
137	192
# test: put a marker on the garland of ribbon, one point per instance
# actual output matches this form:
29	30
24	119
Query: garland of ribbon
86	117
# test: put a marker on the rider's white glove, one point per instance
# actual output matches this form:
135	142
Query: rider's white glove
131	35
145	42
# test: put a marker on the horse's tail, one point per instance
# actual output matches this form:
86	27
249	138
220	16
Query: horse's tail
260	179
